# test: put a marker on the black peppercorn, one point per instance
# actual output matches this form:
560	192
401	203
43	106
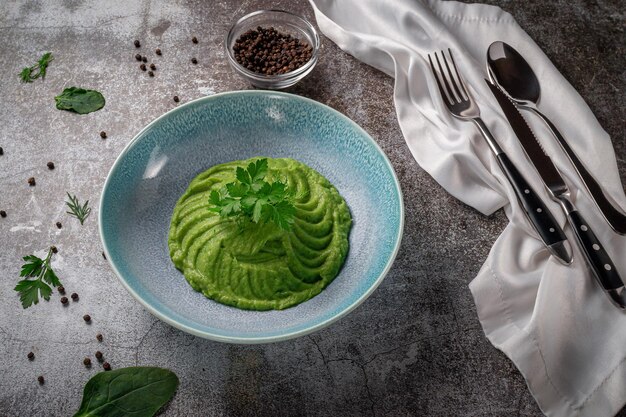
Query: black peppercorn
3	213
99	356
194	61
40	379
87	318
138	57
87	362
137	43
142	67
54	249
150	73
99	337
153	67
31	181
194	40
50	165
64	300
144	59
31	356
103	134
61	289
103	255
74	296
158	51
1	151
106	366
176	99
59	225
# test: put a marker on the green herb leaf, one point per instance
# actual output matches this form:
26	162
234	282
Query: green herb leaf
255	198
30	290
29	74
80	100
78	211
128	392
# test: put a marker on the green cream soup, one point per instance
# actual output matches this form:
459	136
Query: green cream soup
259	266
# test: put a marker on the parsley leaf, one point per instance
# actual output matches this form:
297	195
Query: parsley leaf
29	74
255	198
29	290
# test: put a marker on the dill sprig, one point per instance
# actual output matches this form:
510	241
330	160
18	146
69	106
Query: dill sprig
78	211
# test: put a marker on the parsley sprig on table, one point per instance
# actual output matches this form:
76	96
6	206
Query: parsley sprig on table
78	211
40	269
29	74
255	198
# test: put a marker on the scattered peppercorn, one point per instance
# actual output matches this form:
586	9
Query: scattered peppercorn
176	99
50	165
144	59
152	67
138	57
40	379
87	318
103	134
194	40
267	51
150	73
142	67
31	181
137	43
99	337
31	356
3	213
158	51
106	366
74	296
87	362
1	151
103	255
99	356
61	289
194	61
54	249
59	225
64	300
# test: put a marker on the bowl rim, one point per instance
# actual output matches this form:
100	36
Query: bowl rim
256	339
276	77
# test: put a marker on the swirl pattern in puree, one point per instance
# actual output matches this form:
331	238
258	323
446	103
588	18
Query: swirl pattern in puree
260	266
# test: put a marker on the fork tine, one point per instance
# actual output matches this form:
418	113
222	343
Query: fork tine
444	95
454	83
451	95
463	86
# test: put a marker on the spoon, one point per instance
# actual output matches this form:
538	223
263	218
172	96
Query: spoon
510	71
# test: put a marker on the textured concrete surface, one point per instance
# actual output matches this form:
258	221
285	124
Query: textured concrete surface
415	347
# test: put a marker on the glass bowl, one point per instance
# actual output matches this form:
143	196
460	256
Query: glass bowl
286	23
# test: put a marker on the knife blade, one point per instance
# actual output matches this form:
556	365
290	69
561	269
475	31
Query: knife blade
597	258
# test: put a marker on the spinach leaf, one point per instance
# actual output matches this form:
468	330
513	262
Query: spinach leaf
80	100
128	392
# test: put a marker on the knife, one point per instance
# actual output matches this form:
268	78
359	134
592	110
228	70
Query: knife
596	256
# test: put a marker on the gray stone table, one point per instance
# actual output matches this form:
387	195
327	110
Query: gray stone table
415	347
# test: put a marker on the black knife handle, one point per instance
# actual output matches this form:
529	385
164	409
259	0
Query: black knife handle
539	215
599	261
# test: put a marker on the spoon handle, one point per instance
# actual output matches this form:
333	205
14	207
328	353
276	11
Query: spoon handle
614	217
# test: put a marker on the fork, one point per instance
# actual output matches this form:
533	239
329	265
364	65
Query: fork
460	103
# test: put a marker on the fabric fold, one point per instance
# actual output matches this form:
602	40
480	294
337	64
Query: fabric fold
553	321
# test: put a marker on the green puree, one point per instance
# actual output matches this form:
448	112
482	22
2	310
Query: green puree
260	266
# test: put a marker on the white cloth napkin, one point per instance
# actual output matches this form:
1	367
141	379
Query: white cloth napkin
553	321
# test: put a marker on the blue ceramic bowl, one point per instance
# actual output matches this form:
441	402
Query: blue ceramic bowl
155	168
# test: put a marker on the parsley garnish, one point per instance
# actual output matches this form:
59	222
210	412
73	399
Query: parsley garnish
254	197
29	74
78	211
30	289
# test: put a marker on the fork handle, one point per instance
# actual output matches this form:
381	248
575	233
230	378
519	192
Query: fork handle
535	209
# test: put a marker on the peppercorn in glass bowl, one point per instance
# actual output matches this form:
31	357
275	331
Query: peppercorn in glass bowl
272	49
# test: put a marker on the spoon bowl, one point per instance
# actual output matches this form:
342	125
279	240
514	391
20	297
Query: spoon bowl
510	71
